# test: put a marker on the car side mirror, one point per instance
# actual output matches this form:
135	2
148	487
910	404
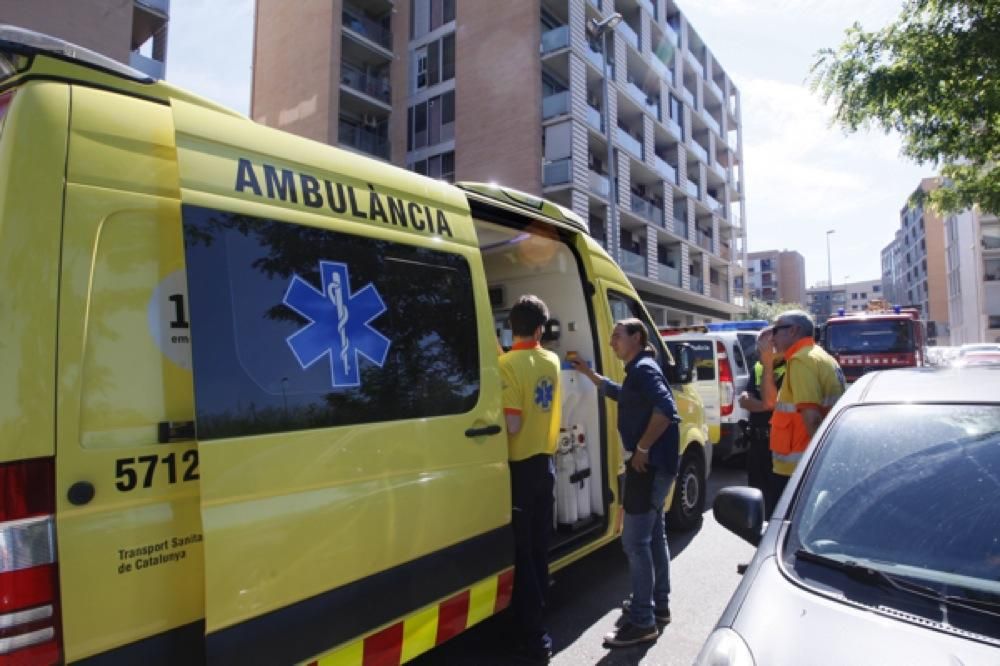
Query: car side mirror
682	370
741	511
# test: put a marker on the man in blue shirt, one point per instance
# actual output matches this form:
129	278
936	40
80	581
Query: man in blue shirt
648	425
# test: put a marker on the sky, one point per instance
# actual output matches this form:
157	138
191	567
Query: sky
803	176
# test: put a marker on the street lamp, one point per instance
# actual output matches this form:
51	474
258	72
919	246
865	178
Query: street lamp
601	29
829	272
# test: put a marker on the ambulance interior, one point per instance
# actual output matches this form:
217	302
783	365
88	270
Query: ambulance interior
526	261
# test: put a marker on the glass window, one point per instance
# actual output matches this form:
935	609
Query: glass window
863	337
433	63
449	10
295	327
448	108
448	57
448	166
625	307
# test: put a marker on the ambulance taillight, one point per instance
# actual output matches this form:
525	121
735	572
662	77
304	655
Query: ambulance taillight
29	584
727	389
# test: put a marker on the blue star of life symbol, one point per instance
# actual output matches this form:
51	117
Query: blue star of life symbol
543	393
339	324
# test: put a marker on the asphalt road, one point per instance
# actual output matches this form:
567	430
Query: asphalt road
586	595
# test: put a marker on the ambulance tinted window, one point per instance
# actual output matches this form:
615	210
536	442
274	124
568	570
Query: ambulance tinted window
295	327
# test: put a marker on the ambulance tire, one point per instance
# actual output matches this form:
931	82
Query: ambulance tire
689	493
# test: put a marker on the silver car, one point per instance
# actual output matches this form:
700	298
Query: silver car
885	547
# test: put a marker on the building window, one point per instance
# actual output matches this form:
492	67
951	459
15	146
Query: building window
437	166
434	63
994	321
432	122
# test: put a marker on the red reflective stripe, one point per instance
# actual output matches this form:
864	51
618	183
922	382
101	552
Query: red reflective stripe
384	648
26	588
453	616
27	489
505	587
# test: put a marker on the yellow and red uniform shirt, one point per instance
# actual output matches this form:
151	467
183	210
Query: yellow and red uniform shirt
813	380
530	378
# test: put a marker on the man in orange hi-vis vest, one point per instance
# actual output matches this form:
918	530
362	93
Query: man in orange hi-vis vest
813	383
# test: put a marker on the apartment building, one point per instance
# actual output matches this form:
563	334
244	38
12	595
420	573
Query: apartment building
849	297
513	93
913	265
133	32
972	251
776	276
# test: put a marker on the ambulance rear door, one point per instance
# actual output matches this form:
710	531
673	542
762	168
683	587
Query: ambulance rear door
351	448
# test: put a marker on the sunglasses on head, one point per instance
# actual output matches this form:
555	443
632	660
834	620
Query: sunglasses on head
781	326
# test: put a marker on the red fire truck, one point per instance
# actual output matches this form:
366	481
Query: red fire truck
879	338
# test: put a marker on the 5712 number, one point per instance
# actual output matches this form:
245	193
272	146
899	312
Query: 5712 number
129	471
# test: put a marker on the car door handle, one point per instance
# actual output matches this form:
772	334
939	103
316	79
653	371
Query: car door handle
485	430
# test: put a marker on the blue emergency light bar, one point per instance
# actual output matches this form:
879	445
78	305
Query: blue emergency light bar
748	325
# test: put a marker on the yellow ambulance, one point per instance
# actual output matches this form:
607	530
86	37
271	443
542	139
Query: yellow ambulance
250	402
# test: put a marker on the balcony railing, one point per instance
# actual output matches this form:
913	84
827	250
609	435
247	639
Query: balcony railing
636	93
704	240
373	86
692	189
698	150
146	65
719	292
558	172
662	68
712	202
695	63
681	228
629	34
697	285
725	252
668	172
675	128
647	209
599	184
632	262
711	122
594	119
556	104
719	170
990	241
355	20
687	95
557	38
363	140
629	143
669	275
649	6
714	87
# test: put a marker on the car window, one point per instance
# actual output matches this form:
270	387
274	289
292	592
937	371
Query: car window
741	364
910	488
704	359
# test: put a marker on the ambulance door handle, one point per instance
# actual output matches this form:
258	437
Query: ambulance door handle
486	430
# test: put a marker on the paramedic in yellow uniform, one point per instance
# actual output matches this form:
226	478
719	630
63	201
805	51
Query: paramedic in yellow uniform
531	405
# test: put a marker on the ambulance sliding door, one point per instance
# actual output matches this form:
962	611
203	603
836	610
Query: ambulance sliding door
353	465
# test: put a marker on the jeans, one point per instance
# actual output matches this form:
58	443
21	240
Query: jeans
532	482
645	545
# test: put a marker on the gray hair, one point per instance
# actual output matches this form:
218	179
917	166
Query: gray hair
799	318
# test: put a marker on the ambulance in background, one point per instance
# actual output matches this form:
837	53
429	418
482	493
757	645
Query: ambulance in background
879	338
250	405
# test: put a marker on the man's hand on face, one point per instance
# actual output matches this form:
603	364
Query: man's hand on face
765	347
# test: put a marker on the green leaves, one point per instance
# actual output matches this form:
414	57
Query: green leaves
933	75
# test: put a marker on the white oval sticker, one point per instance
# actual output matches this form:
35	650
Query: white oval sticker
168	319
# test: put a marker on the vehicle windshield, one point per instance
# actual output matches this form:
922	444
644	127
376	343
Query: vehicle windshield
870	337
909	490
704	357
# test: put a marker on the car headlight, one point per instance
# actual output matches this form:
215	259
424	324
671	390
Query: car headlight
724	647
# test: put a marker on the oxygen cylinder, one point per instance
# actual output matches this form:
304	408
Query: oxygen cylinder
566	512
581	457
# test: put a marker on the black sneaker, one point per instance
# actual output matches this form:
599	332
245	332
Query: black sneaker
629	634
661	615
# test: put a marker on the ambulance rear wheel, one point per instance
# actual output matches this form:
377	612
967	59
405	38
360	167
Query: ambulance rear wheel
689	493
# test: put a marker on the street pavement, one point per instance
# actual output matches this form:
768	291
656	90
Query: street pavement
586	595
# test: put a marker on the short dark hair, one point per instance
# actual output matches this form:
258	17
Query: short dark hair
527	315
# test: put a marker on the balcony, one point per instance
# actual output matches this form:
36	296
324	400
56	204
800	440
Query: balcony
714	87
361	139
629	143
692	189
599	184
669	275
719	292
643	99
725	252
595	57
711	122
148	66
990	240
355	21
697	285
668	172
695	63
719	170
559	172
662	68
557	38
704	240
674	128
629	34
712	202
687	95
594	119
374	87
680	228
698	150
647	210
555	105
649	7
672	34
632	262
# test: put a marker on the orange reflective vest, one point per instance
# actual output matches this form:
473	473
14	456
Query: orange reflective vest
813	380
